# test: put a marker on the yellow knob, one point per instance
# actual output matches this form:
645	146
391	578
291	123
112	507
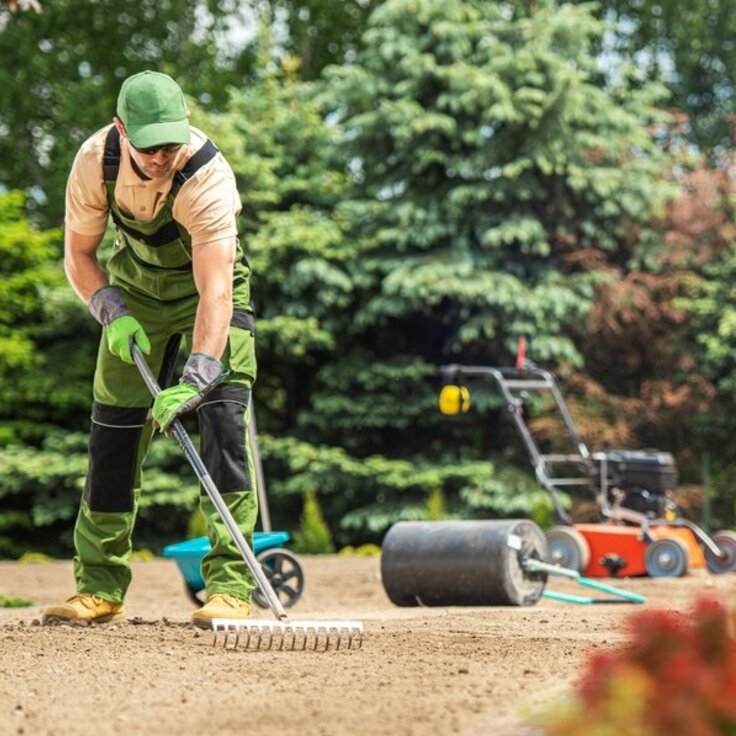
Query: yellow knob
454	399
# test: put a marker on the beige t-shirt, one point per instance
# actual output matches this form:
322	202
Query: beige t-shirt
206	205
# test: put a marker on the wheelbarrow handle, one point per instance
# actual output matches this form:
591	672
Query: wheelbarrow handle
211	489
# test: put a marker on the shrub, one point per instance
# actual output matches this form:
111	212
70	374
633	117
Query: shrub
364	550
675	677
313	536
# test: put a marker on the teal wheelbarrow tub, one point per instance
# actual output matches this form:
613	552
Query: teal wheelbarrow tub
281	566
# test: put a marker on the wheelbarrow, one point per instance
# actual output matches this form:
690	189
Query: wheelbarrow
281	566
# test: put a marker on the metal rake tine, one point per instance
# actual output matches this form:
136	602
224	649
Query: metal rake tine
319	636
293	639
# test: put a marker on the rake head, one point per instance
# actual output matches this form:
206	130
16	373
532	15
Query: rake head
291	635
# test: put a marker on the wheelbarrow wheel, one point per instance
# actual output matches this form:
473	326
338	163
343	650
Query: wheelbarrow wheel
283	571
196	595
667	557
726	541
285	574
567	548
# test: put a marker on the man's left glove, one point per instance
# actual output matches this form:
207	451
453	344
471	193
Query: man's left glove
201	374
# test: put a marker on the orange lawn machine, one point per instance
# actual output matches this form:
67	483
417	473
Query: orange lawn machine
639	532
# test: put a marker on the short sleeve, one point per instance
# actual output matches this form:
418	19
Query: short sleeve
208	204
87	208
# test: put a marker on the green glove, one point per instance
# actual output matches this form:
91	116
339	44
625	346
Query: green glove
201	374
172	402
120	332
108	308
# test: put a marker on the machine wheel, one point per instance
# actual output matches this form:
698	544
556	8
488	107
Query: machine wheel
568	548
283	571
667	558
285	574
726	541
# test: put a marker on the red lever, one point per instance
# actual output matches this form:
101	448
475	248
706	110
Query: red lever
521	353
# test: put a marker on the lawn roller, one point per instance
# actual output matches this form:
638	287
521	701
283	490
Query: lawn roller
282	633
639	532
477	563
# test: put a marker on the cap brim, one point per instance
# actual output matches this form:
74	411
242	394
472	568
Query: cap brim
157	134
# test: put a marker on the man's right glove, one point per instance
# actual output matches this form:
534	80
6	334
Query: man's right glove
120	327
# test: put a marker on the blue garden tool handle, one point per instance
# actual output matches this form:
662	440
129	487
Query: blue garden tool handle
603	587
624	595
567	598
211	489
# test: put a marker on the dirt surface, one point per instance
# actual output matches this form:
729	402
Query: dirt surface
421	671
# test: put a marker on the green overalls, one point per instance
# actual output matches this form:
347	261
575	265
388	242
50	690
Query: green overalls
151	265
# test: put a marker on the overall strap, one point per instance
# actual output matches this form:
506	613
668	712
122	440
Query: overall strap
111	156
203	156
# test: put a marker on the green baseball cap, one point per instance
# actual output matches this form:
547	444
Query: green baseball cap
152	108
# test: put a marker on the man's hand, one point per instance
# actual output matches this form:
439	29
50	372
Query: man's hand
120	332
173	402
201	374
107	306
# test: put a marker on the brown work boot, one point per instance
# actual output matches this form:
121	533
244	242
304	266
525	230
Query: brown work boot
84	608
220	605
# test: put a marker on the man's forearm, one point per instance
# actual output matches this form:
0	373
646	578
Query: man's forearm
212	324
84	273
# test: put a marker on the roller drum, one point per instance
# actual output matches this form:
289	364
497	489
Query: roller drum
462	563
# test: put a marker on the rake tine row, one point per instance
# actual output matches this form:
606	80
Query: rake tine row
287	635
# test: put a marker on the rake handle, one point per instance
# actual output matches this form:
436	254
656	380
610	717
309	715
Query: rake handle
211	489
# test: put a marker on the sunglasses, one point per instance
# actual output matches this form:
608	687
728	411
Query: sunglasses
166	148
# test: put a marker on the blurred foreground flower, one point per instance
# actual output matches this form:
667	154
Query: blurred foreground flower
675	677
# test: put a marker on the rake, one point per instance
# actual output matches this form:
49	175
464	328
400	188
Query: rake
255	633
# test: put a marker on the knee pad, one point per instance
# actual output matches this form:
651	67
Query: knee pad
223	437
114	444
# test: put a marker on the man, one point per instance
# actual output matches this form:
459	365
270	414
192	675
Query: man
176	271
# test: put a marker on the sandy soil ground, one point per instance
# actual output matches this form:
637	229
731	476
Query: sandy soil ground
421	671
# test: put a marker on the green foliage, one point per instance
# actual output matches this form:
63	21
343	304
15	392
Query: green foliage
322	32
14	602
364	550
196	525
313	536
363	497
35	558
40	488
709	301
44	374
486	153
142	555
436	505
690	48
